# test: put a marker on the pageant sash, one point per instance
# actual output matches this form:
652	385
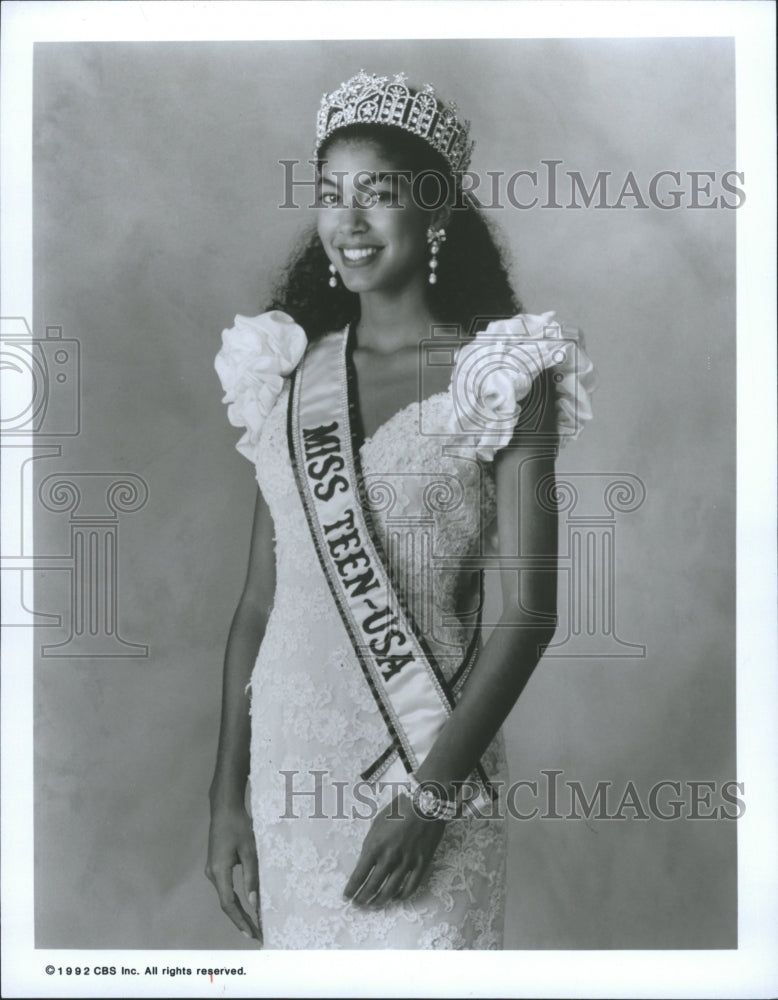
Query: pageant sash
409	688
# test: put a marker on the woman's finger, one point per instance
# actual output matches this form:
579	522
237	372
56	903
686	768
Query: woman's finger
413	881
390	888
359	875
371	885
248	861
230	904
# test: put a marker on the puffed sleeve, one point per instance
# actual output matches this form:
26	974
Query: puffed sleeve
495	373
257	354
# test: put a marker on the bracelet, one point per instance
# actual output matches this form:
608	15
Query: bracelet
428	802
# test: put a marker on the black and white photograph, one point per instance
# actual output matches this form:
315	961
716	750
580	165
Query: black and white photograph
388	471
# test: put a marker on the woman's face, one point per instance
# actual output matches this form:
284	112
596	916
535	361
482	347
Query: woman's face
369	226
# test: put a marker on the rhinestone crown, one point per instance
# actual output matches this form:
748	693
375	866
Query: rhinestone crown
367	98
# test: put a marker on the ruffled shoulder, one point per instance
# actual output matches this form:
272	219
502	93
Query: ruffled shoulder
257	354
495	372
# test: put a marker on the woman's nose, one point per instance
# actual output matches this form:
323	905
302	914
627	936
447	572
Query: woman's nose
351	218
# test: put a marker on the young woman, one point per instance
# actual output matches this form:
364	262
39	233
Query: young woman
403	416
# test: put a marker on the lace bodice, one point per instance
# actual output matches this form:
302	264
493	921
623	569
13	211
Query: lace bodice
428	508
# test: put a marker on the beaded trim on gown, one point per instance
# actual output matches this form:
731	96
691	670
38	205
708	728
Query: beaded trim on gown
315	726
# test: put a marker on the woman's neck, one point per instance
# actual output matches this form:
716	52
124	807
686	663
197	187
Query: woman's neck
388	321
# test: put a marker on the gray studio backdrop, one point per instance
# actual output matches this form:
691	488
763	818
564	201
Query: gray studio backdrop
156	186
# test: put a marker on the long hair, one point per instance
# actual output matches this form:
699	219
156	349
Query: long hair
472	286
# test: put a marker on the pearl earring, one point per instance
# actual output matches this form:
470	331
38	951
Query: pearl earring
435	238
333	276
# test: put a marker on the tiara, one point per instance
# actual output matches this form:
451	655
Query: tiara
366	98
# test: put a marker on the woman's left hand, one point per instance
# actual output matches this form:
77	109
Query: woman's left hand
395	855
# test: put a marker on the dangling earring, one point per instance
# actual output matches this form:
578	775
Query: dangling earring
333	276
434	239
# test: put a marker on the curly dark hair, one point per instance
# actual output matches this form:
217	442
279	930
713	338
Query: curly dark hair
473	286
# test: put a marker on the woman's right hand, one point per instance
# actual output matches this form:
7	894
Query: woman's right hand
231	843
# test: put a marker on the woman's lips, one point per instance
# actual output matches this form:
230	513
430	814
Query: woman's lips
358	256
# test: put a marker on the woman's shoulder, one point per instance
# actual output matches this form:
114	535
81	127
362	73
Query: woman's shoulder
504	377
257	354
273	338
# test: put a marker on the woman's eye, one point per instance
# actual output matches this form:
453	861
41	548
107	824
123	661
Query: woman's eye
366	198
380	197
371	197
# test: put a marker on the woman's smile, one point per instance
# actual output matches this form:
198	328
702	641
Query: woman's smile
358	256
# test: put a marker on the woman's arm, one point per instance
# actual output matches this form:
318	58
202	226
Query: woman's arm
231	840
528	559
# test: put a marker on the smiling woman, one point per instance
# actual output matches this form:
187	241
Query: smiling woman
376	236
357	696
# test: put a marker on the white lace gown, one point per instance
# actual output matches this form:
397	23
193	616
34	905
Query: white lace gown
315	723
